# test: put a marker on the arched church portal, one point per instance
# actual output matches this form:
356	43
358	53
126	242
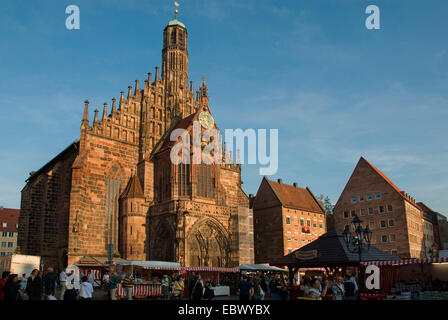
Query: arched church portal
207	245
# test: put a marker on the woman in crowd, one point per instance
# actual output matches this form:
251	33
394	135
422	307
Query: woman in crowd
34	286
258	291
338	288
178	287
315	292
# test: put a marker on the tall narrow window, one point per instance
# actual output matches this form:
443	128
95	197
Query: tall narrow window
183	177
113	187
205	182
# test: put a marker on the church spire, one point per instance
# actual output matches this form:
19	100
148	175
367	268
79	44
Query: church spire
175	55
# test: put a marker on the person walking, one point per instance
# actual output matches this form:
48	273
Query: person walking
12	288
113	284
50	282
244	288
198	289
258	291
191	283
70	294
3	281
165	287
128	285
178	288
62	284
338	288
86	290
274	285
34	287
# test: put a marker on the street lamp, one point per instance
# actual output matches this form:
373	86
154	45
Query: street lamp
358	241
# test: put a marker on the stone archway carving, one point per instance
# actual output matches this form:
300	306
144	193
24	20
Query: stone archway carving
208	245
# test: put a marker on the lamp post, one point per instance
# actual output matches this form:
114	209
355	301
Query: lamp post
357	242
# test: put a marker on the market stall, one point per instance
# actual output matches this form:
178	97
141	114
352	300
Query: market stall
147	275
331	253
411	279
221	277
96	266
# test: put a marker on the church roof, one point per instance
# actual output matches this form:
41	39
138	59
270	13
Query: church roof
176	22
133	189
295	197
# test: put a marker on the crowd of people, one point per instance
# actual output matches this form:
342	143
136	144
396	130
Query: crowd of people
44	285
49	285
259	286
336	287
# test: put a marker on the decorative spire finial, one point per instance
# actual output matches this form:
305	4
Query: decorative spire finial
85	116
203	78
105	111
176	12
95	119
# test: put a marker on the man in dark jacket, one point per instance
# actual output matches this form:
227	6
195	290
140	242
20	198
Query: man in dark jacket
191	283
12	288
34	286
50	282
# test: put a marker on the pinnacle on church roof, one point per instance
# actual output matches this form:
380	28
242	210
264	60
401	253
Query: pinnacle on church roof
134	188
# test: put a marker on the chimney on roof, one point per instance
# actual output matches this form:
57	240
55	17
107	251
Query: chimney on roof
295	184
280	181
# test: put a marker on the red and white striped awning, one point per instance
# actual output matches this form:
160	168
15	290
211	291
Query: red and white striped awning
211	269
404	262
163	268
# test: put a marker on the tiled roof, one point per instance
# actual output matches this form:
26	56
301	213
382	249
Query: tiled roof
393	185
332	251
182	124
11	217
295	197
133	189
382	175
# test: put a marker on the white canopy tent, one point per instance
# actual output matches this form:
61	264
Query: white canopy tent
260	267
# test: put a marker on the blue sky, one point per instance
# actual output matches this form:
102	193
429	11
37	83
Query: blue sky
335	90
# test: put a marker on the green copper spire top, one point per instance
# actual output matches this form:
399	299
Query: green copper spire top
176	22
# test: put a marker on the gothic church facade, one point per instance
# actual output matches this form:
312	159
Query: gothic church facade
116	188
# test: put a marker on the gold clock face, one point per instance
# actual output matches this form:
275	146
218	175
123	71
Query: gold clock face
206	120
